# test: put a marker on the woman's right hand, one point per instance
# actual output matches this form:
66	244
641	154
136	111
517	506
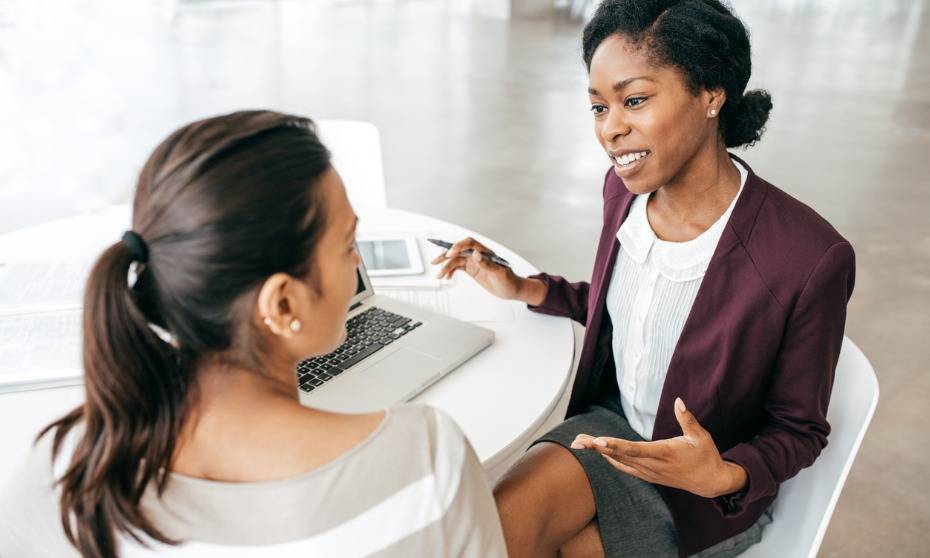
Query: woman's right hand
498	280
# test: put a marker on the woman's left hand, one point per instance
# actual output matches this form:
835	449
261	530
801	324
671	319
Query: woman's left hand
689	462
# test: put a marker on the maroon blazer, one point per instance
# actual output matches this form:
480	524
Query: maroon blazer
756	358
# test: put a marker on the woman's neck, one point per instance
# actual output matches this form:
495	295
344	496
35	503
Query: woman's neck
249	426
695	198
231	404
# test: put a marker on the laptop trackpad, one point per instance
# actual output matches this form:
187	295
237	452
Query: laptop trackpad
406	366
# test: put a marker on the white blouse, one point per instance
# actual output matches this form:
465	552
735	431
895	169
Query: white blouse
652	289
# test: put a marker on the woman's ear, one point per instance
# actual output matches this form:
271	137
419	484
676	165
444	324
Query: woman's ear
276	303
714	100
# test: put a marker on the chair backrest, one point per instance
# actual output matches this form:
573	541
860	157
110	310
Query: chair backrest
805	503
356	149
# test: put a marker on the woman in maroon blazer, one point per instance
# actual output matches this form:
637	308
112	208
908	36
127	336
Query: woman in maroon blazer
739	400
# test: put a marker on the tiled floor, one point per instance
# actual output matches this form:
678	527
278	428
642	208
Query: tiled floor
484	123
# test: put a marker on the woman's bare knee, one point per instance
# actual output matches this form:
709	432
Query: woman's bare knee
544	500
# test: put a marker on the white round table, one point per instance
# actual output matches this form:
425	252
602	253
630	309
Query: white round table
502	398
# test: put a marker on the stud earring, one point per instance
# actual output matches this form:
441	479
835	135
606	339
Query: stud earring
713	112
295	325
267	321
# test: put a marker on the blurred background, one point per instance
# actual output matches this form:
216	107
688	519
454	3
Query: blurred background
483	114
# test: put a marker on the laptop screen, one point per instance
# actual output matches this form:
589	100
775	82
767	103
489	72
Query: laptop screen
361	283
363	288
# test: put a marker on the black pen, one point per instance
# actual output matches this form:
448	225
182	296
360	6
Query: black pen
468	251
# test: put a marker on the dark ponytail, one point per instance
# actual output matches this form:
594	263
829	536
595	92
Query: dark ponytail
704	40
221	205
136	390
742	120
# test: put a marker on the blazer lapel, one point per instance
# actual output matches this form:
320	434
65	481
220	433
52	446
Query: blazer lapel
588	383
617	211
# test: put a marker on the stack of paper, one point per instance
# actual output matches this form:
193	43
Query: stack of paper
40	323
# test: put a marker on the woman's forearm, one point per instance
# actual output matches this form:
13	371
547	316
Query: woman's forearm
532	291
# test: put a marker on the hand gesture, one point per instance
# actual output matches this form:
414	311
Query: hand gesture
690	462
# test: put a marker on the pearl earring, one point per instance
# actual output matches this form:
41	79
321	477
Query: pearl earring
295	325
713	112
267	321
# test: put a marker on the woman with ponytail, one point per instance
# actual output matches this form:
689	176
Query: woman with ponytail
192	441
714	316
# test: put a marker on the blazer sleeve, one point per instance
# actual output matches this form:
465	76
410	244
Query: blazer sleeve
565	299
795	428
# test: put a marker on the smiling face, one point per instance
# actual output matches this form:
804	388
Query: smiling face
648	121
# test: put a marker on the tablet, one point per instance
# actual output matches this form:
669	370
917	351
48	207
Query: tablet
391	256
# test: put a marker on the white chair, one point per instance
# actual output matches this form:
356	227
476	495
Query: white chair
805	503
356	150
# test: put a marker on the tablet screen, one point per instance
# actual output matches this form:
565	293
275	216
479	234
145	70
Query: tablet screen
384	255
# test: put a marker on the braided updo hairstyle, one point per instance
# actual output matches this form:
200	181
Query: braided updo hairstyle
701	38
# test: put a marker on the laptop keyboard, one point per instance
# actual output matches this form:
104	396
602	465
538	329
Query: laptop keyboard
368	333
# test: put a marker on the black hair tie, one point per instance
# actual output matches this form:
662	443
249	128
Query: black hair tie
137	248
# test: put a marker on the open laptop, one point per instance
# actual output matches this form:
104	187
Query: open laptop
393	351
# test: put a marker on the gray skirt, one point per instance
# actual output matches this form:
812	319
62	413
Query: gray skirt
632	517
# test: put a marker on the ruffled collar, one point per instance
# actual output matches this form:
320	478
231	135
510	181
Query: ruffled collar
677	261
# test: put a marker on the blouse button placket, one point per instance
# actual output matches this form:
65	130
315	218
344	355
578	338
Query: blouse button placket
641	304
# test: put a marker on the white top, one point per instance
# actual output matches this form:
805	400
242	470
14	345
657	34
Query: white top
414	487
652	289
